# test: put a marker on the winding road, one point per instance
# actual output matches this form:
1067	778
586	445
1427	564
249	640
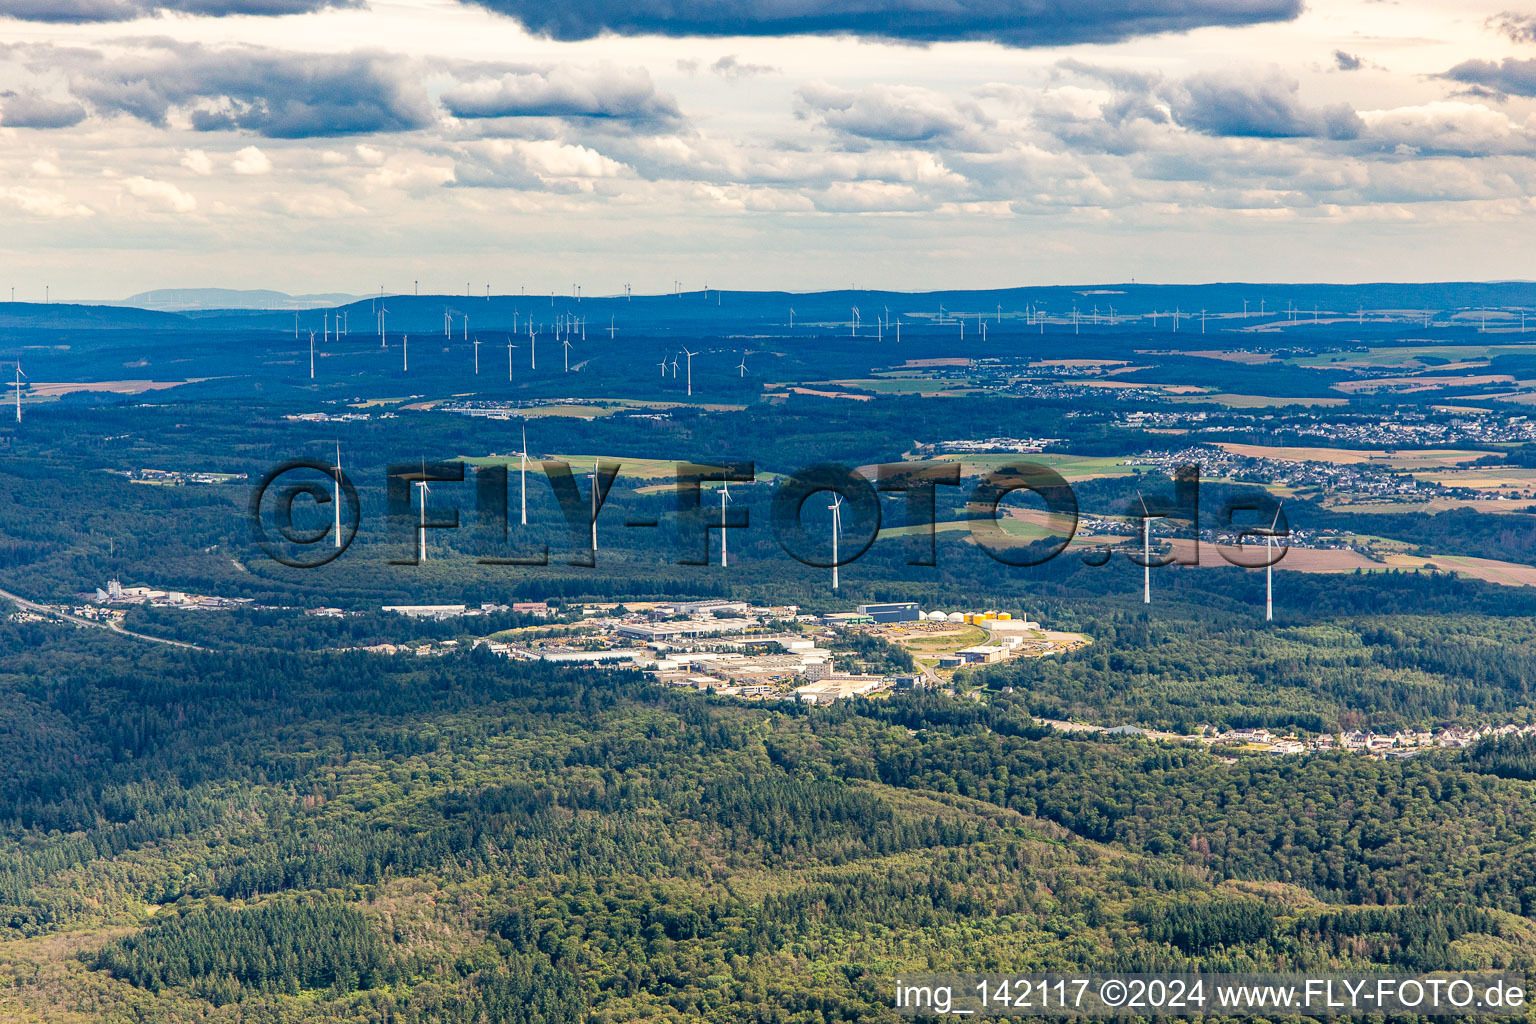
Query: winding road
49	610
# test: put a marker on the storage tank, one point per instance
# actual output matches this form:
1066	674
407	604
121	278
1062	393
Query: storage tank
937	617
956	617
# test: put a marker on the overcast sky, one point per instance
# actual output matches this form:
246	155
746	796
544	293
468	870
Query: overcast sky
312	146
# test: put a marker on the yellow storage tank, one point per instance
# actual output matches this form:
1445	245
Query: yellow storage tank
1005	616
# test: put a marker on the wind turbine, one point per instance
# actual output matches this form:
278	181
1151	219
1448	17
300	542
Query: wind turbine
1146	550
1269	569
743	366
382	311
509	359
611	329
19	375
837	530
533	346
567	343
477	356
423	490
311	355
725	496
674	367
594	511
791	317
664	366
336	497
522	486
690	356
405	353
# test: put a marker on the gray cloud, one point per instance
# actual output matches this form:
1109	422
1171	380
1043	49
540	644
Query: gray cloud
1011	22
82	11
902	114
1347	61
604	94
1518	28
1509	78
276	94
731	68
1267	107
30	110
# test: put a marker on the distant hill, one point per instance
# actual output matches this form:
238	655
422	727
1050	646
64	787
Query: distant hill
176	299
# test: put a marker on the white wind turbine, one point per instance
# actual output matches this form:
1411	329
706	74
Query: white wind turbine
311	355
477	356
791	317
1146	550
382	311
522	486
1269	569
423	490
690	356
664	365
837	530
674	367
743	365
594	511
533	346
405	353
611	329
509	359
19	375
336	497
567	343
725	497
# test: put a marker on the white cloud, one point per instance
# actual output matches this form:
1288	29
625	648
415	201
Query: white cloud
251	160
162	193
198	162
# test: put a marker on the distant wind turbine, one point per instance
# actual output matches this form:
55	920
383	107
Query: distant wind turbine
477	357
690	356
311	355
743	366
405	353
567	343
664	365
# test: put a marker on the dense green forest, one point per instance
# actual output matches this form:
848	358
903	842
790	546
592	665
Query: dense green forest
283	836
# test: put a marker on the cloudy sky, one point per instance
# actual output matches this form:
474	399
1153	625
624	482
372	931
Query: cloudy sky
344	145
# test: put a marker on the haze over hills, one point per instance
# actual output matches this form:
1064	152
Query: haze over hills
176	299
734	311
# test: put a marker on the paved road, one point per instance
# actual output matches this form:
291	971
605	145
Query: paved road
43	609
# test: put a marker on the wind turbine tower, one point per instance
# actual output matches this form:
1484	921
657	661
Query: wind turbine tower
336	496
522	487
690	356
725	497
1146	550
837	529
